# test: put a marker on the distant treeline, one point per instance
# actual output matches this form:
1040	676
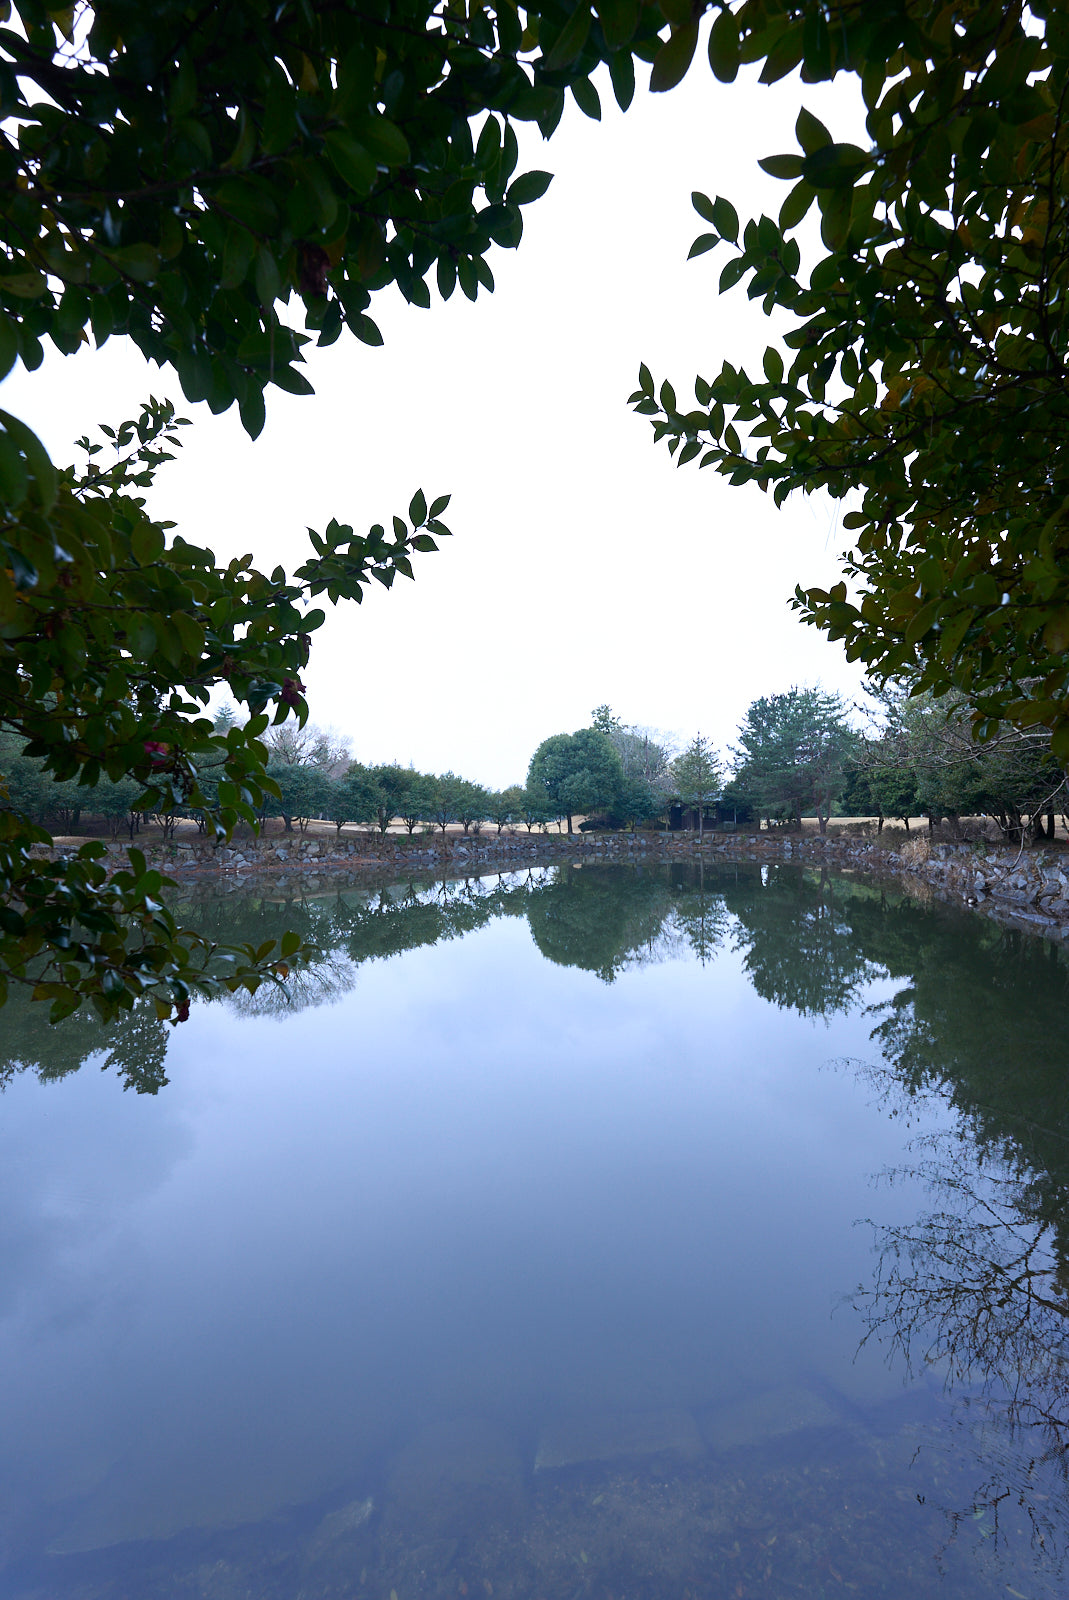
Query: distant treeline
797	754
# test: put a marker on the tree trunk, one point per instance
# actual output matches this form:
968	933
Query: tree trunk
569	822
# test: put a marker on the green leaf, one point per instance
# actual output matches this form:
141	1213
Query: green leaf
772	362
725	220
571	39
733	272
14	479
41	470
147	542
65	1006
292	381
351	161
674	58
796	205
724	49
786	166
24	285
417	509
704	242
366	330
529	186
619	19
835	166
702	205
587	98
9	345
384	140
812	134
247	200
622	73
238	252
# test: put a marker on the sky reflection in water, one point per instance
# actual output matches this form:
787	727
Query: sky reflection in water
485	1182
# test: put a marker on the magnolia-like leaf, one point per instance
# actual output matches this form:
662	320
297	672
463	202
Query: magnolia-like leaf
528	187
571	38
674	58
724	50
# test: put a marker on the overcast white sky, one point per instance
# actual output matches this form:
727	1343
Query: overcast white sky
585	567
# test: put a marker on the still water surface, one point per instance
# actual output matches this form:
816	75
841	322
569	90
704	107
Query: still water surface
526	1246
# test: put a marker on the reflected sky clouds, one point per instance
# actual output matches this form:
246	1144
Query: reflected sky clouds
480	1181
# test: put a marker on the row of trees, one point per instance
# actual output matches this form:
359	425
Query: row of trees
796	754
799	754
802	754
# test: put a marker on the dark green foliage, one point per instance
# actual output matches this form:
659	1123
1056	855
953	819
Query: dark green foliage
636	803
793	753
176	177
926	759
576	772
177	174
111	640
923	370
505	805
696	776
358	795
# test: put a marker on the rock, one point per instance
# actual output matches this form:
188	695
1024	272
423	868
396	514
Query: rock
617	1436
453	1475
767	1416
338	1525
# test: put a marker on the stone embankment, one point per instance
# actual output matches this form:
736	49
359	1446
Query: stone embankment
1030	887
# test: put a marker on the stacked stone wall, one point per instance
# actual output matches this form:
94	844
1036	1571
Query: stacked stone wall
1028	887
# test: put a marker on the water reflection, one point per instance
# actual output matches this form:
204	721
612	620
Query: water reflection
973	1287
977	1288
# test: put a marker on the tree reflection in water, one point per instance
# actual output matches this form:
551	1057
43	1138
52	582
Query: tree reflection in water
980	1284
978	1289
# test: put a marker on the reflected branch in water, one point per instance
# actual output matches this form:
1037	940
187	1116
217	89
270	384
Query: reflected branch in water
979	1288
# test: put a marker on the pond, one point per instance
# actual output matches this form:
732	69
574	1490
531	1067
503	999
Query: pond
585	1232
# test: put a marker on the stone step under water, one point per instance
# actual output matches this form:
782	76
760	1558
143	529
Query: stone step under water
617	1436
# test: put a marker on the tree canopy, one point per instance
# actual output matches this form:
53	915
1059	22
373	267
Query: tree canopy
792	753
179	178
577	772
197	180
697	777
923	370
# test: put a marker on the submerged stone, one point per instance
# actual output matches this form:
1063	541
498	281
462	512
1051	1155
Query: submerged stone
340	1525
451	1475
615	1436
771	1415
